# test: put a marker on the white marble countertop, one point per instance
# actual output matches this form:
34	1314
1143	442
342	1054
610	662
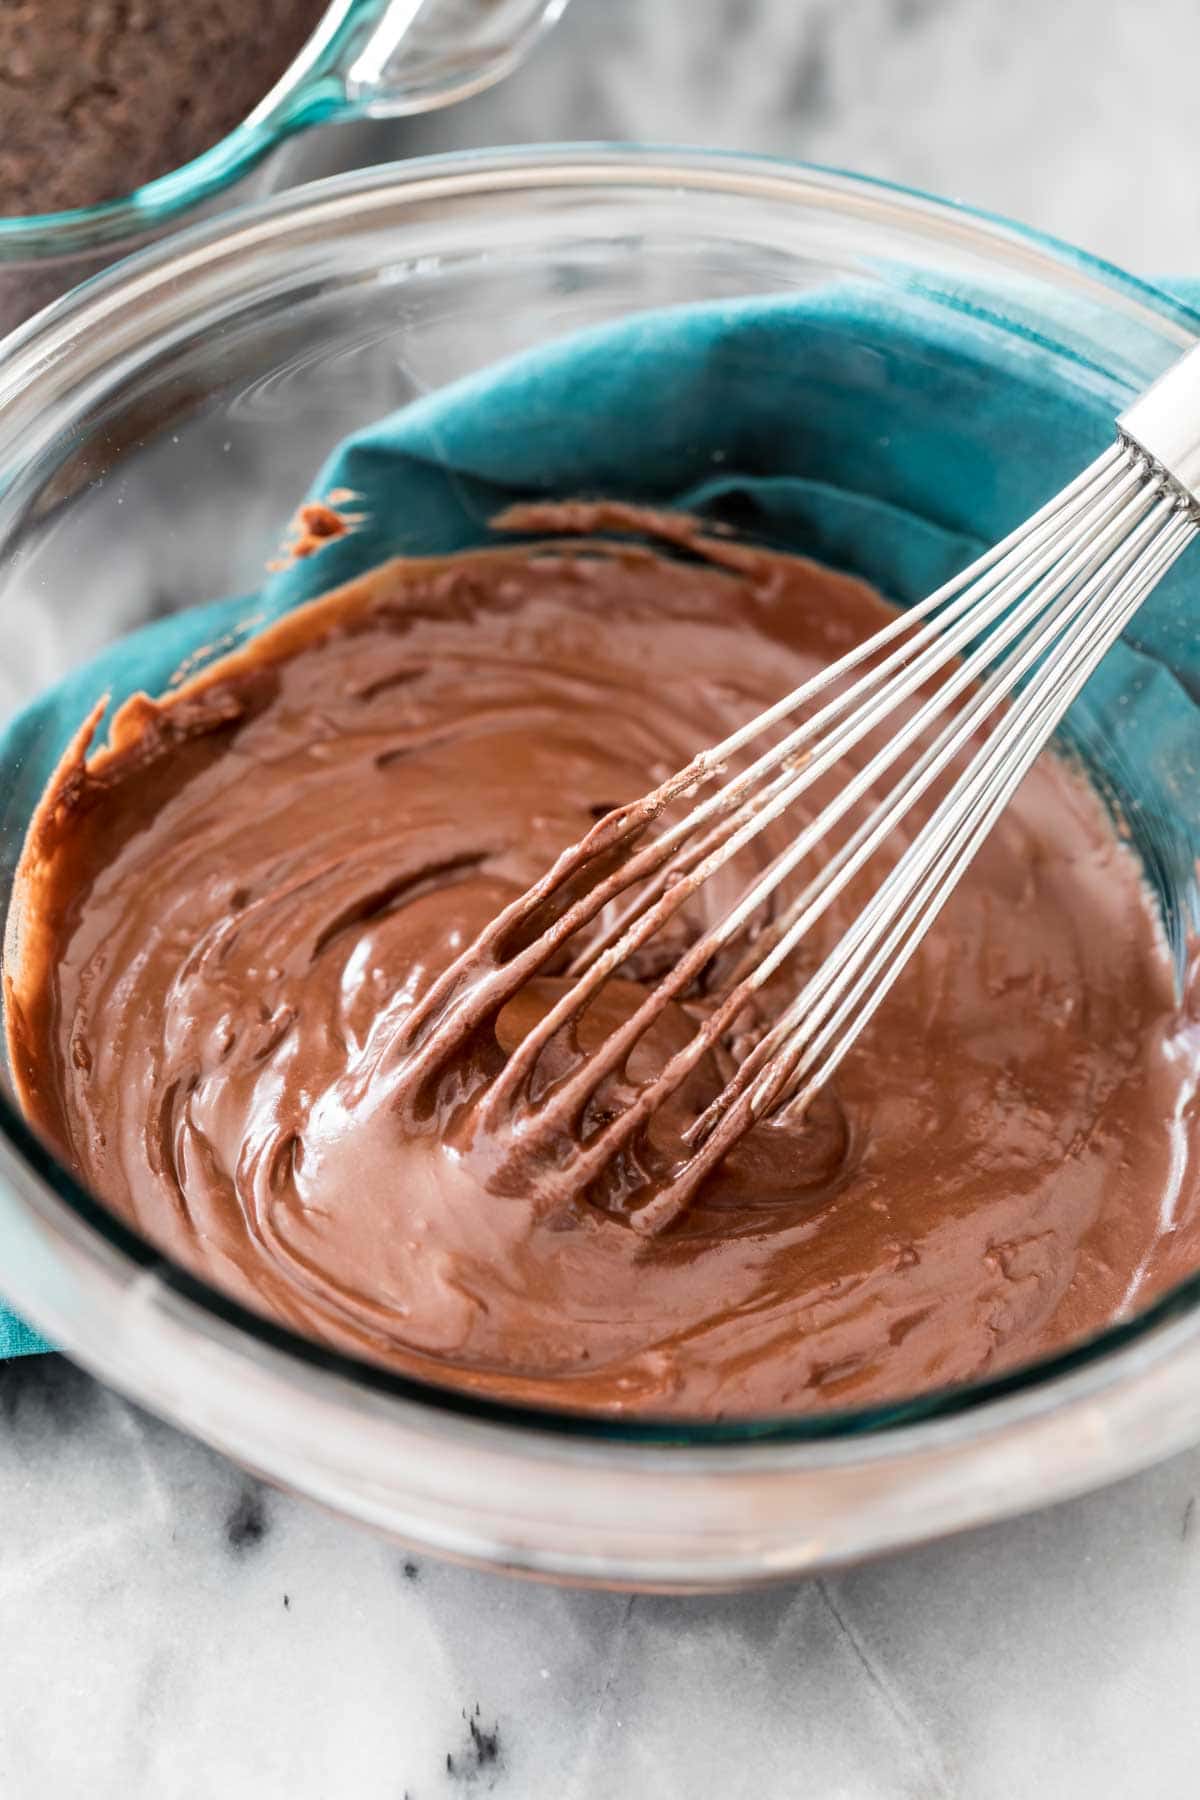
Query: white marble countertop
172	1631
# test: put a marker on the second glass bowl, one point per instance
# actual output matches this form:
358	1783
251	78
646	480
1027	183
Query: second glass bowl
367	59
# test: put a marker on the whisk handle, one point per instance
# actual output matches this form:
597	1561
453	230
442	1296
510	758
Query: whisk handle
1164	423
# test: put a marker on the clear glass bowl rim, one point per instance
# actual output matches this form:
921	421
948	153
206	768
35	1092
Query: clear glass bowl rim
38	356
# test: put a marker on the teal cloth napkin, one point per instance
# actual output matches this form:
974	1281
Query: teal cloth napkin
834	422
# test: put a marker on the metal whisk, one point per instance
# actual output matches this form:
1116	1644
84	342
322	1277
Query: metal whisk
1016	635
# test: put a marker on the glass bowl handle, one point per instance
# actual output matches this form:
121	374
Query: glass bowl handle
409	56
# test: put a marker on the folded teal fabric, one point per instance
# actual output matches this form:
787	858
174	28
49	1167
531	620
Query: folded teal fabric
892	442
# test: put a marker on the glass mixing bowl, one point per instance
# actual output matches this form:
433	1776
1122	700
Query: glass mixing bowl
367	59
156	431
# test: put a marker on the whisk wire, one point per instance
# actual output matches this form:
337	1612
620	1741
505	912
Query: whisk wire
652	908
862	968
1009	558
1005	645
952	837
1114	512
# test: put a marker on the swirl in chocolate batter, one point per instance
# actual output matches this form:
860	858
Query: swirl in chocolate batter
226	917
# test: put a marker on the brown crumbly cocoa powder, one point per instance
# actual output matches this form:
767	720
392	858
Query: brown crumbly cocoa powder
99	96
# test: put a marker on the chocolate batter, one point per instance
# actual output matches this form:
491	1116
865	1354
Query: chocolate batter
225	918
